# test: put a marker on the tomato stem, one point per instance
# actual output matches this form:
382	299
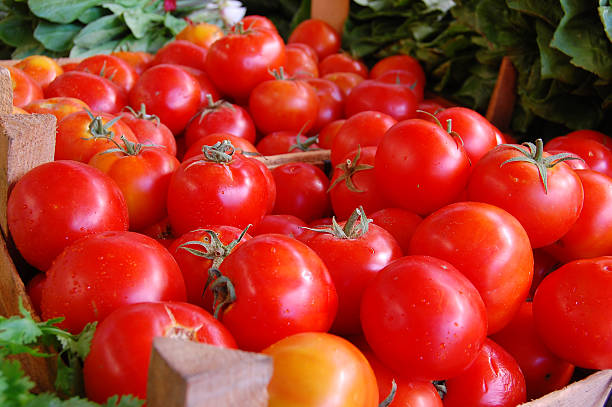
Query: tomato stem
389	399
348	169
351	230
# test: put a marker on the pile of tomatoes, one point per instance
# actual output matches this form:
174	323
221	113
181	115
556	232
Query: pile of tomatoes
425	258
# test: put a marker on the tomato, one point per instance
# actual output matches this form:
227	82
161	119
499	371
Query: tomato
342	62
25	89
578	164
149	130
345	80
56	203
139	60
299	64
331	102
571	311
554	206
328	133
143	175
168	92
266	272
283	104
398	62
430	106
214	243
354	251
363	129
301	190
220	117
593	135
241	144
101	272
489	246
319	35
99	93
81	135
111	67
181	52
255	21
118	362
494	379
423	318
42	69
597	156
307	49
399	222
59	107
398	101
543	265
34	289
283	142
283	224
69	66
591	235
543	371
217	187
430	165
270	183
353	184
201	34
241	60
161	232
320	370
408	79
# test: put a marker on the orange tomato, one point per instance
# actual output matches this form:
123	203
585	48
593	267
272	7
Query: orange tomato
41	68
25	89
139	60
202	34
60	106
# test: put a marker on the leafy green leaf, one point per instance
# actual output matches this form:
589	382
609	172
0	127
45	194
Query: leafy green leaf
140	23
100	32
92	14
125	401
555	64
175	25
605	14
14	384
104	48
547	10
61	11
16	30
56	37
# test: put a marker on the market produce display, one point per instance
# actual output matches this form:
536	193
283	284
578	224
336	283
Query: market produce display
431	260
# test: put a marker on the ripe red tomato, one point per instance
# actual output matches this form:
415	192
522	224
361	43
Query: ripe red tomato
543	265
300	64
181	52
328	133
317	34
354	253
398	62
431	166
99	93
148	129
42	69
423	318
56	203
59	107
25	89
168	92
342	62
543	371
283	104
396	100
489	246
266	272
207	88
286	141
593	135
408	79
112	68
331	102
301	190
218	187
319	370
34	289
399	222
597	156
571	311
554	206
305	48
118	362
99	273
346	81
254	21
143	175
242	59
494	379
284	224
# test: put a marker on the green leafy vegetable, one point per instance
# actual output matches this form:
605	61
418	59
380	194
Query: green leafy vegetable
61	11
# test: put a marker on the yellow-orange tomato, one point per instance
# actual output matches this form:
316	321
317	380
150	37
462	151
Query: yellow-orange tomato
60	106
41	68
202	34
139	60
318	369
25	89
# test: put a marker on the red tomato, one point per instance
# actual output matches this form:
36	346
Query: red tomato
255	21
363	129
331	102
571	311
430	165
283	104
161	232
398	62
112	68
139	60
143	175
266	272
301	190
597	156
81	135
544	372
168	92
354	252
287	141
342	62
554	206
305	48
591	235
423	318
34	289
241	144
398	101
317	34
320	370
270	183
346	81
593	135
489	246
99	273
25	89
149	130
181	52
118	362
207	88
220	117
213	250
283	224
241	60
399	222
100	94
430	106
299	64
494	379
408	79
59	107
353	184
578	164
328	133
69	66
56	203
42	69
218	187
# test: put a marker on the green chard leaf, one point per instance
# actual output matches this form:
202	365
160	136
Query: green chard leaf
61	11
547	10
92	14
174	24
56	37
140	23
605	14
100	33
16	30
